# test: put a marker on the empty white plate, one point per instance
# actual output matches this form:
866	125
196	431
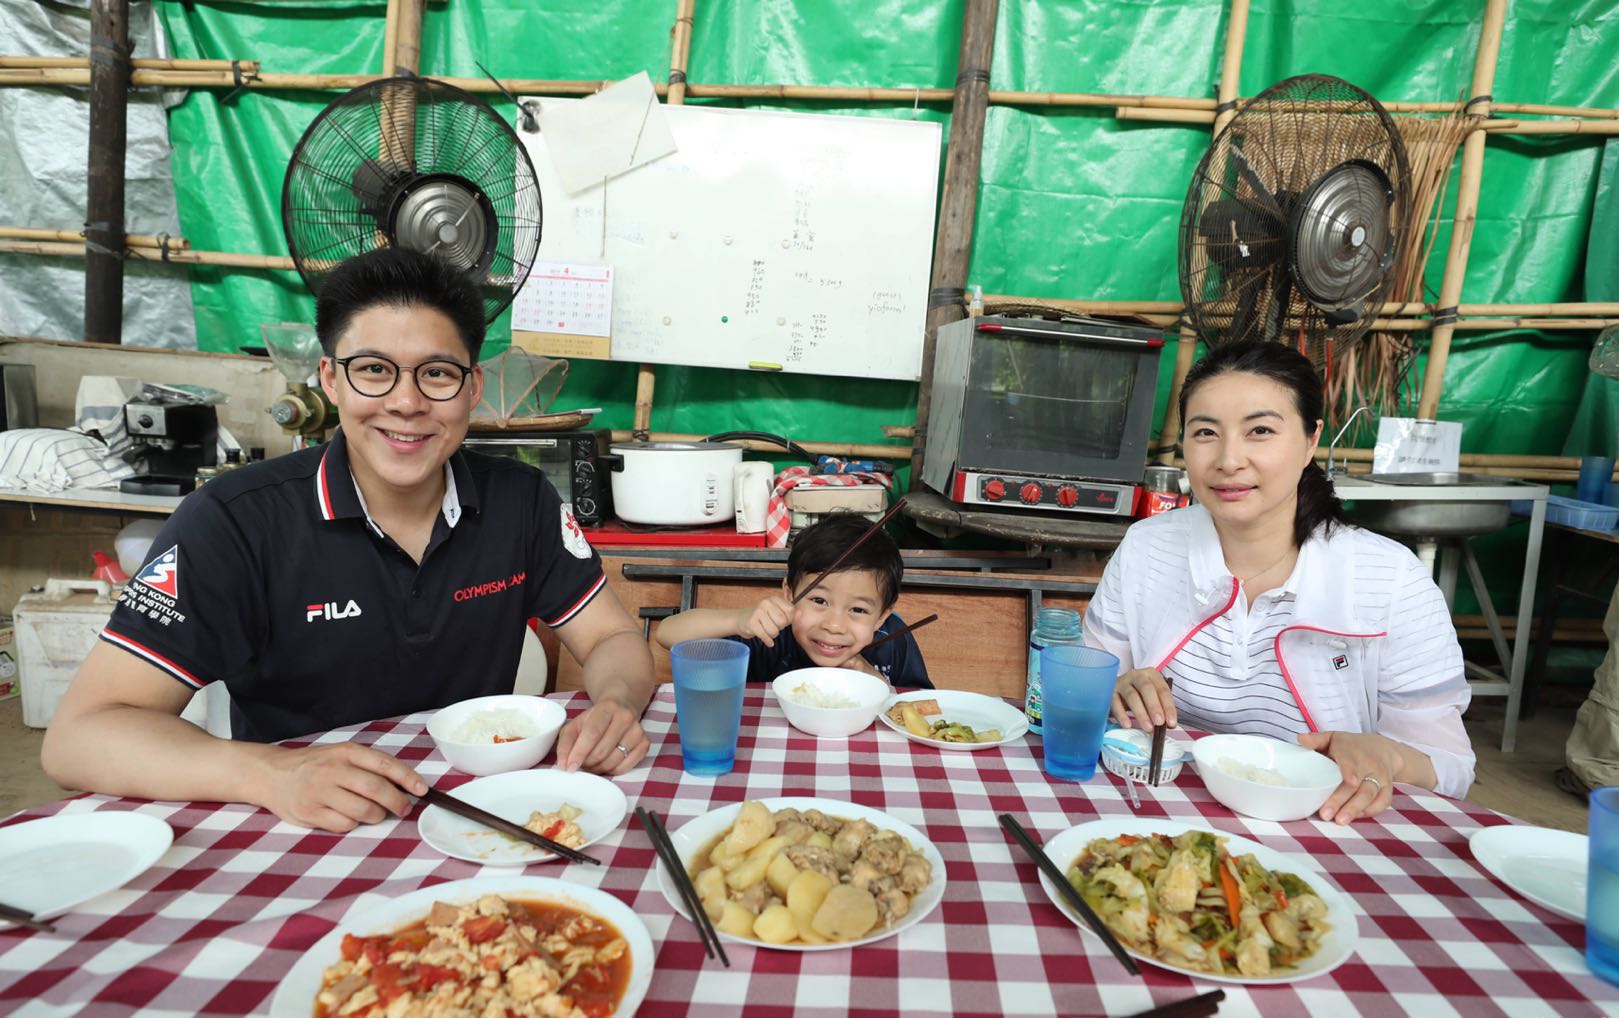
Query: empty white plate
513	796
1548	867
55	863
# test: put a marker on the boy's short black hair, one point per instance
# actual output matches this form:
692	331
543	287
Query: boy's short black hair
400	278
818	546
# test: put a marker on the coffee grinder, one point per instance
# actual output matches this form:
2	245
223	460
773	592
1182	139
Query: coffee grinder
302	411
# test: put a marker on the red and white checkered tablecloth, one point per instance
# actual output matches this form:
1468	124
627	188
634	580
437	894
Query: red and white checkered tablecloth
213	927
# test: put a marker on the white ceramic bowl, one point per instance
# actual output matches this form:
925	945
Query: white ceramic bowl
480	758
1310	776
868	691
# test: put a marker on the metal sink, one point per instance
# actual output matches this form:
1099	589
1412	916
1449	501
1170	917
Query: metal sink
1428	518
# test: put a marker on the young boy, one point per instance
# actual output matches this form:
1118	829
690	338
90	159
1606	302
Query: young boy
833	623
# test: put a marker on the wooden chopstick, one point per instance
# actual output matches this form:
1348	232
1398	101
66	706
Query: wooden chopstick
665	847
23	917
1156	762
896	634
444	800
1070	895
1189	1007
829	570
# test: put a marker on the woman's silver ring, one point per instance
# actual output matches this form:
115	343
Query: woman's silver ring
624	749
1368	777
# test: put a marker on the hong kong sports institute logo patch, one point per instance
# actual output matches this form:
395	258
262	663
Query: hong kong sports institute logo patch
162	574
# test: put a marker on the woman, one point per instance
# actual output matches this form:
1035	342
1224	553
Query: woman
1268	613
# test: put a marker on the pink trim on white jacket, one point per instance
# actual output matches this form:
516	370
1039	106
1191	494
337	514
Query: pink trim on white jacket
1372	648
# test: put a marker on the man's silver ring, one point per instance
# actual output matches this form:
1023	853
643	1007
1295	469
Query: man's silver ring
1368	777
624	749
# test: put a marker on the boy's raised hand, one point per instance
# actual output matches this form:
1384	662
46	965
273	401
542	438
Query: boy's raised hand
766	620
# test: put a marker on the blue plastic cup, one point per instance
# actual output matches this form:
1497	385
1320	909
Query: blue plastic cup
1595	474
709	678
1077	686
1602	886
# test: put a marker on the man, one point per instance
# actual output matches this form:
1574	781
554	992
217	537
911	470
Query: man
385	572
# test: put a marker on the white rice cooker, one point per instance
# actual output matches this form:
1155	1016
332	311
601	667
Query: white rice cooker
674	483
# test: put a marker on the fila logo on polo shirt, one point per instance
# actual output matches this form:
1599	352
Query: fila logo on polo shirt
331	611
162	574
1340	662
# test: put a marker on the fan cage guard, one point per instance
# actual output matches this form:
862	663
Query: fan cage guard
395	162
1269	245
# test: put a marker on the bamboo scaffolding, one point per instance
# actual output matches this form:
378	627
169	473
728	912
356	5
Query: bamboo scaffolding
1388	310
1466	214
1230	75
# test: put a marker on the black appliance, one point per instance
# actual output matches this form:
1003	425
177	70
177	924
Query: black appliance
576	462
174	439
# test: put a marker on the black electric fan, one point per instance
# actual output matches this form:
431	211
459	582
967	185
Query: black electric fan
1295	218
420	164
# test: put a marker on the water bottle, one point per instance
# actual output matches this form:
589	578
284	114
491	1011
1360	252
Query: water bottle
1052	626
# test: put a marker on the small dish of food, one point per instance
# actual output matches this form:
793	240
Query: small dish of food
807	874
571	807
830	703
954	719
495	734
492	945
1264	778
1208	904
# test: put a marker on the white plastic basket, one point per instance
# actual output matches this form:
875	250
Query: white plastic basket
1137	765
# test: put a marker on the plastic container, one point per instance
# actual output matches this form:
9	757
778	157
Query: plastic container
1571	512
1052	627
134	543
55	630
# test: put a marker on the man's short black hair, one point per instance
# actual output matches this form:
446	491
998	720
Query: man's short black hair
399	278
818	546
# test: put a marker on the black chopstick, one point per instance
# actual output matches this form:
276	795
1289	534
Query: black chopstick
829	570
665	847
896	634
1069	894
444	800
1156	763
1189	1007
23	917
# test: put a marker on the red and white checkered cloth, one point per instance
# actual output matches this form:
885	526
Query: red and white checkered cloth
213	927
779	519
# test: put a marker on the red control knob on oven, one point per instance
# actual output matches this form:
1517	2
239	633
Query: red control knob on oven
1067	496
994	489
1030	492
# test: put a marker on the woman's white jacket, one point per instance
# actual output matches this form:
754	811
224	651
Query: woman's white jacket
1371	646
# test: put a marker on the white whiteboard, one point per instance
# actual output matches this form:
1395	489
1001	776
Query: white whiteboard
767	239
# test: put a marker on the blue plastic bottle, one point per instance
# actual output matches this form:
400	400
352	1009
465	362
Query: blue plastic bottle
1052	626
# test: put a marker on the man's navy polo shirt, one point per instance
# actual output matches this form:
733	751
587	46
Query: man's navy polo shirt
899	661
273	579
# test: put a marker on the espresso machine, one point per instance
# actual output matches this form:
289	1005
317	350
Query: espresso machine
174	438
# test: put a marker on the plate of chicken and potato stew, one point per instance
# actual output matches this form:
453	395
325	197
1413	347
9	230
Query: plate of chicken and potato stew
807	874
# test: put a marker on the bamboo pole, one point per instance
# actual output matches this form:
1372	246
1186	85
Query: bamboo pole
390	38
139	63
1466	216
104	201
845	450
77	237
958	202
1186	345
408	38
1391	309
646	375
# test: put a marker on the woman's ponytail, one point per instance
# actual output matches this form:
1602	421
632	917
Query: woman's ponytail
1318	505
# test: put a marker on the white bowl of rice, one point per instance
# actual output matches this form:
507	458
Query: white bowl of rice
496	734
830	703
1265	778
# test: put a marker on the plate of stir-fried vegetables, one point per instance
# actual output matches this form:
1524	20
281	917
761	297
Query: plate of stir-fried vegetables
1210	904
